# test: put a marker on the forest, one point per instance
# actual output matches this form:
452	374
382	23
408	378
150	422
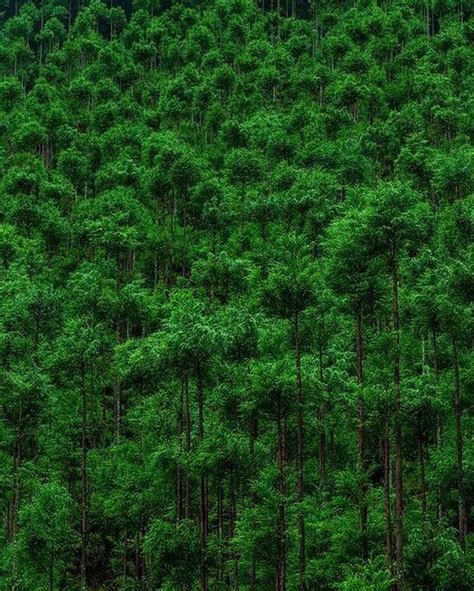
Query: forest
236	295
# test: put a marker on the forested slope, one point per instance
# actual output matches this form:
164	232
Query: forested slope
236	295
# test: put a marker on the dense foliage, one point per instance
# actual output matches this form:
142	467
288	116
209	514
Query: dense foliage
236	295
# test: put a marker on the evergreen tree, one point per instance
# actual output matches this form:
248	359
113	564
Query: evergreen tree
236	295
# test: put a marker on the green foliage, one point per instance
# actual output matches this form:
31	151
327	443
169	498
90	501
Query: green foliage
212	215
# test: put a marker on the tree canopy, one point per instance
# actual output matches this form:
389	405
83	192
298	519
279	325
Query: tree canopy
236	295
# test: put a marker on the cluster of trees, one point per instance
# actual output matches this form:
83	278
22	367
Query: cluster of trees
236	295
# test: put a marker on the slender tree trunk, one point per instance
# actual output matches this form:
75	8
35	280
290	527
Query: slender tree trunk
421	457
202	490
16	502
179	472
332	449
125	559
300	458
281	527
185	270
220	527
117	407
138	562
387	494
398	427
117	386
17	484
233	518
438	414
363	514
322	428
459	448
84	491
51	569
187	423
253	437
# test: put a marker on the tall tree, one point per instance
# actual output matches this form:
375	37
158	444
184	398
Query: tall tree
396	218
287	292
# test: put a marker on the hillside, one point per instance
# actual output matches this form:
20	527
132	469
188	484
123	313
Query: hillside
236	295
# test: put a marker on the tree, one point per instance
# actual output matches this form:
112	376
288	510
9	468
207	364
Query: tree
351	273
455	320
395	217
193	338
287	292
235	295
47	531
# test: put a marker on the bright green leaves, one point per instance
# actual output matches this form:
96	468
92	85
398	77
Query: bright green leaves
205	208
349	268
288	288
115	220
191	330
47	531
396	217
244	167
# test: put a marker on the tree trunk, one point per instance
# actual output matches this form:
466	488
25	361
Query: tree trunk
233	518
125	559
361	430
387	504
300	459
220	527
117	407
281	527
179	472
398	427
459	448
187	423
438	415
16	502
51	569
202	490
138	562
322	428
421	457
84	492
253	437
117	387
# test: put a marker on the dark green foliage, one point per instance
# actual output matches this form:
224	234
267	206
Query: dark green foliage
236	295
